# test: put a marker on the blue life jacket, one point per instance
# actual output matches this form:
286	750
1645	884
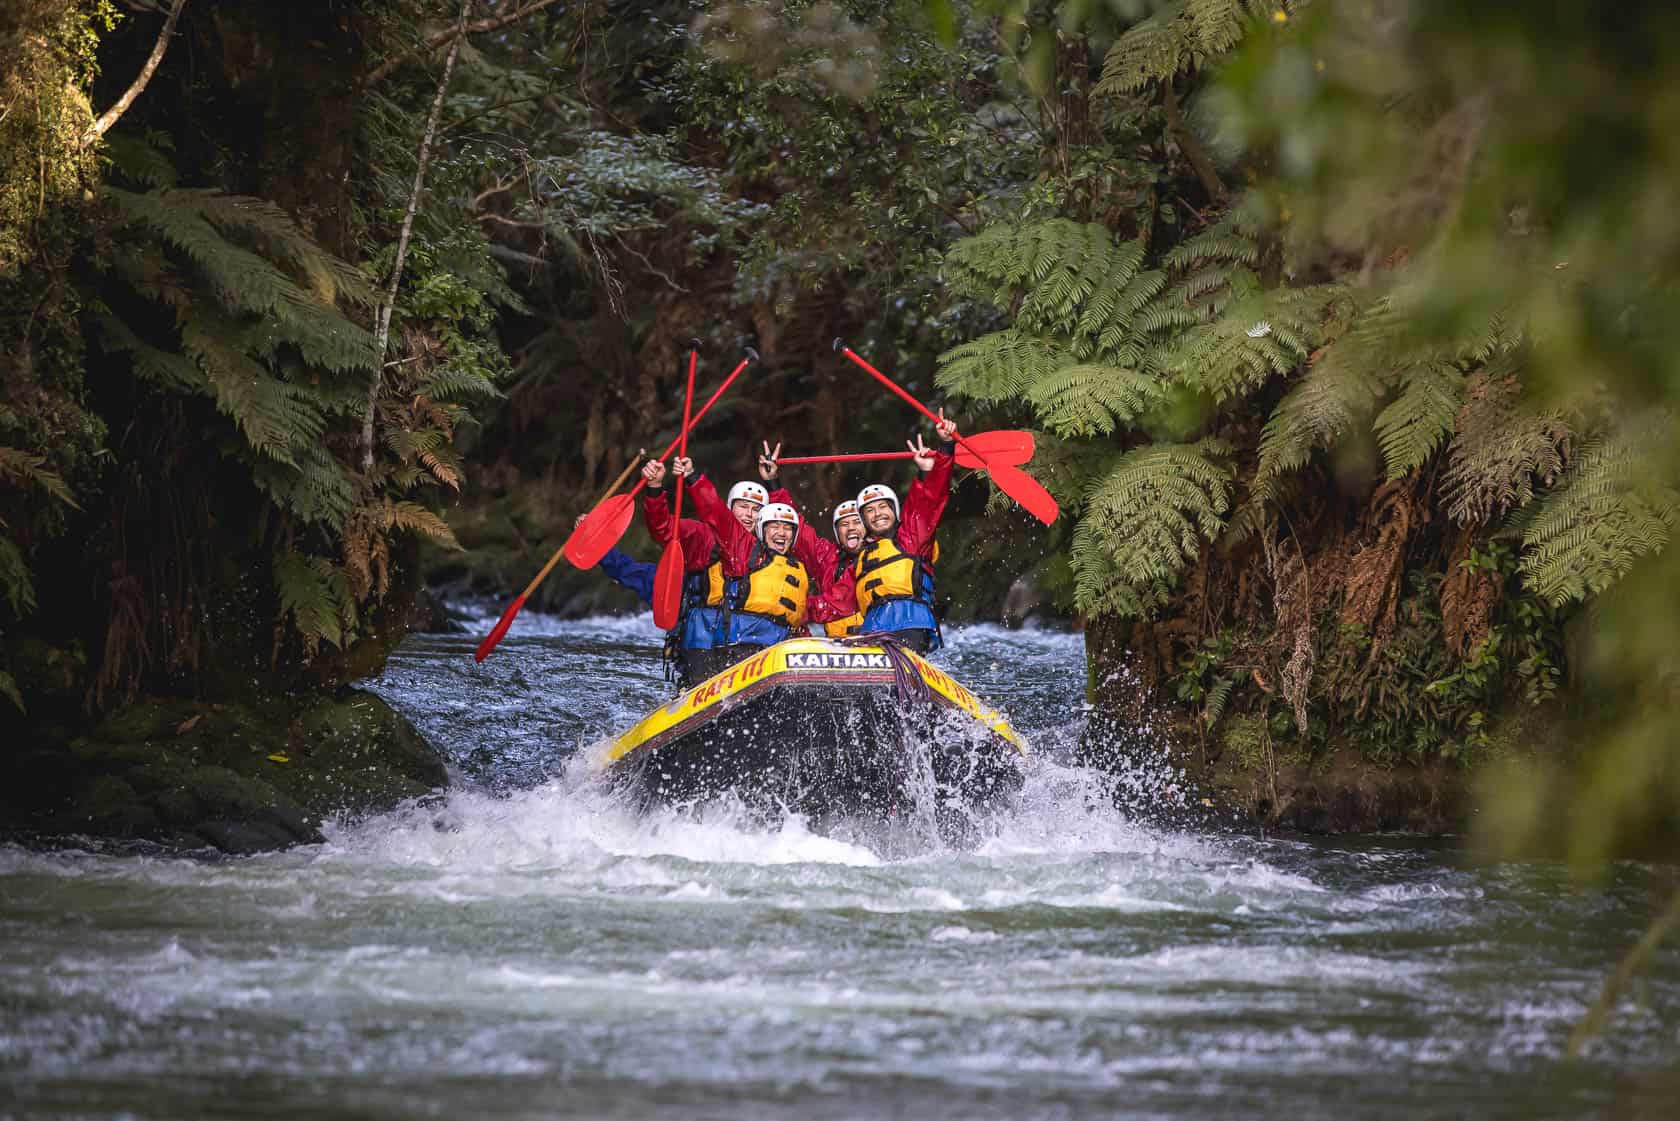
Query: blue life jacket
701	624
895	590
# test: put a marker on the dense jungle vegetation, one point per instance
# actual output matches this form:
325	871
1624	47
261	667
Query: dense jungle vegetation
1344	326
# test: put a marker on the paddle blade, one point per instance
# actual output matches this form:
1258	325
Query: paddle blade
1026	490
500	629
667	586
599	531
1005	445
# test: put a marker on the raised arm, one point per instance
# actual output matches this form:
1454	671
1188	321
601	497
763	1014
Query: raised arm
626	571
924	505
736	542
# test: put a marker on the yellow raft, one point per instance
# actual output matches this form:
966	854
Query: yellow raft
823	728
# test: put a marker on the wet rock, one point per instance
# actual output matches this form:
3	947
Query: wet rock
240	778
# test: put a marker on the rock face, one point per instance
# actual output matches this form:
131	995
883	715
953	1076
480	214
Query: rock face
239	778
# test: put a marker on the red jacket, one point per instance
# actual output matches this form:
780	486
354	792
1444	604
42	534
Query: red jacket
835	594
822	603
925	505
698	540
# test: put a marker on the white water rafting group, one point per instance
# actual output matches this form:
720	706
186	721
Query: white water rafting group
801	659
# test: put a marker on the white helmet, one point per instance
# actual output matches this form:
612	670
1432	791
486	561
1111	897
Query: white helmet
775	512
876	492
847	508
748	490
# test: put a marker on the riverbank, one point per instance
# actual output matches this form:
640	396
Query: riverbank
233	777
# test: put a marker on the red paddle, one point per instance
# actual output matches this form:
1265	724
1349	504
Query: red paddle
606	523
1008	445
1013	481
668	577
506	621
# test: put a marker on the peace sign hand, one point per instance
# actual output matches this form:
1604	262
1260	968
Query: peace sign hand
920	453
767	466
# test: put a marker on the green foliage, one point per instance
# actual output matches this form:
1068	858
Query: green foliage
1182	35
1143	520
999	367
1088	399
46	64
1603	516
315	594
255	327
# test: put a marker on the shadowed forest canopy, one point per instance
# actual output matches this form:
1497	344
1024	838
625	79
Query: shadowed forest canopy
1343	325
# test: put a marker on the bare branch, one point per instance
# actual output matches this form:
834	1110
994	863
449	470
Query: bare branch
489	23
382	333
109	117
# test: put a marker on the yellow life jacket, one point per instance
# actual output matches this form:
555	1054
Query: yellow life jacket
706	588
886	572
775	588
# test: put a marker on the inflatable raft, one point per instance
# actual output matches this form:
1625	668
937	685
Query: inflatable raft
828	729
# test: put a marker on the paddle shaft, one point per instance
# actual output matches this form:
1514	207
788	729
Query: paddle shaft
852	457
682	439
558	553
909	400
710	401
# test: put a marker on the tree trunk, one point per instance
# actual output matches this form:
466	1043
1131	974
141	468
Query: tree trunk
382	332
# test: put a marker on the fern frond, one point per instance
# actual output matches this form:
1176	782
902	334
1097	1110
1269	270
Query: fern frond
25	467
1416	422
1265	335
167	368
417	519
1152	50
275	417
453	383
998	366
1604	515
315	486
1091	399
1338	392
1143	520
15	581
316	595
1183	35
1502	448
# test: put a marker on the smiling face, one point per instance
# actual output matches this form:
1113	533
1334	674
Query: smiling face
849	532
879	517
745	511
778	537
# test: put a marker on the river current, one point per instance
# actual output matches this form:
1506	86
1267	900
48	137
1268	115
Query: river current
527	947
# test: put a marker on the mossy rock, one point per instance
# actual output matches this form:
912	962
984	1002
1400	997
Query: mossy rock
238	777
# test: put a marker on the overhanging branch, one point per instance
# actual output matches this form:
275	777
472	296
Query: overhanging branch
489	23
109	117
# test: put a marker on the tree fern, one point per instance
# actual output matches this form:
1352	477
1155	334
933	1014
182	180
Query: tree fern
1603	516
1092	399
1181	35
1338	393
316	595
17	466
1501	450
1264	334
1415	424
999	366
1143	520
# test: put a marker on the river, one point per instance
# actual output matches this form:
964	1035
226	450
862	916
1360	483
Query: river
527	948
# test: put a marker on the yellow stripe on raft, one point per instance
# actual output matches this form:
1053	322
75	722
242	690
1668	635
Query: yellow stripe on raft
793	659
